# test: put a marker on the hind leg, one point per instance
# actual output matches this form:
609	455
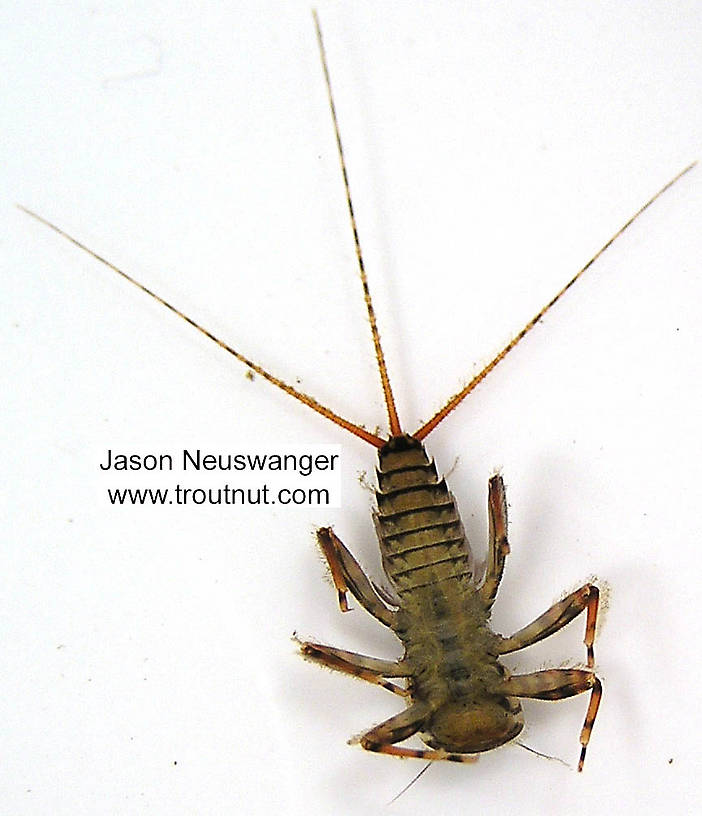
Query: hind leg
498	545
348	576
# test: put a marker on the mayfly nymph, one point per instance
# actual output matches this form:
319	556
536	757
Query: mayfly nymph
459	697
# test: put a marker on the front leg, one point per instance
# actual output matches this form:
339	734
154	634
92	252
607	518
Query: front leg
382	738
557	684
348	576
555	618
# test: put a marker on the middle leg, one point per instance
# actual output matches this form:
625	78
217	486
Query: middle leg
371	669
555	618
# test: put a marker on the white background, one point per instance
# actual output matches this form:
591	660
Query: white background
492	148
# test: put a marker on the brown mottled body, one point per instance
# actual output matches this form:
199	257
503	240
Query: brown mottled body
442	619
460	698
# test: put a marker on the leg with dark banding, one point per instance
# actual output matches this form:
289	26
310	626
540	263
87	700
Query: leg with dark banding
372	669
555	618
348	576
382	738
499	547
557	684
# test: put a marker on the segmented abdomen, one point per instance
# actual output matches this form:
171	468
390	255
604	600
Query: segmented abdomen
421	535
